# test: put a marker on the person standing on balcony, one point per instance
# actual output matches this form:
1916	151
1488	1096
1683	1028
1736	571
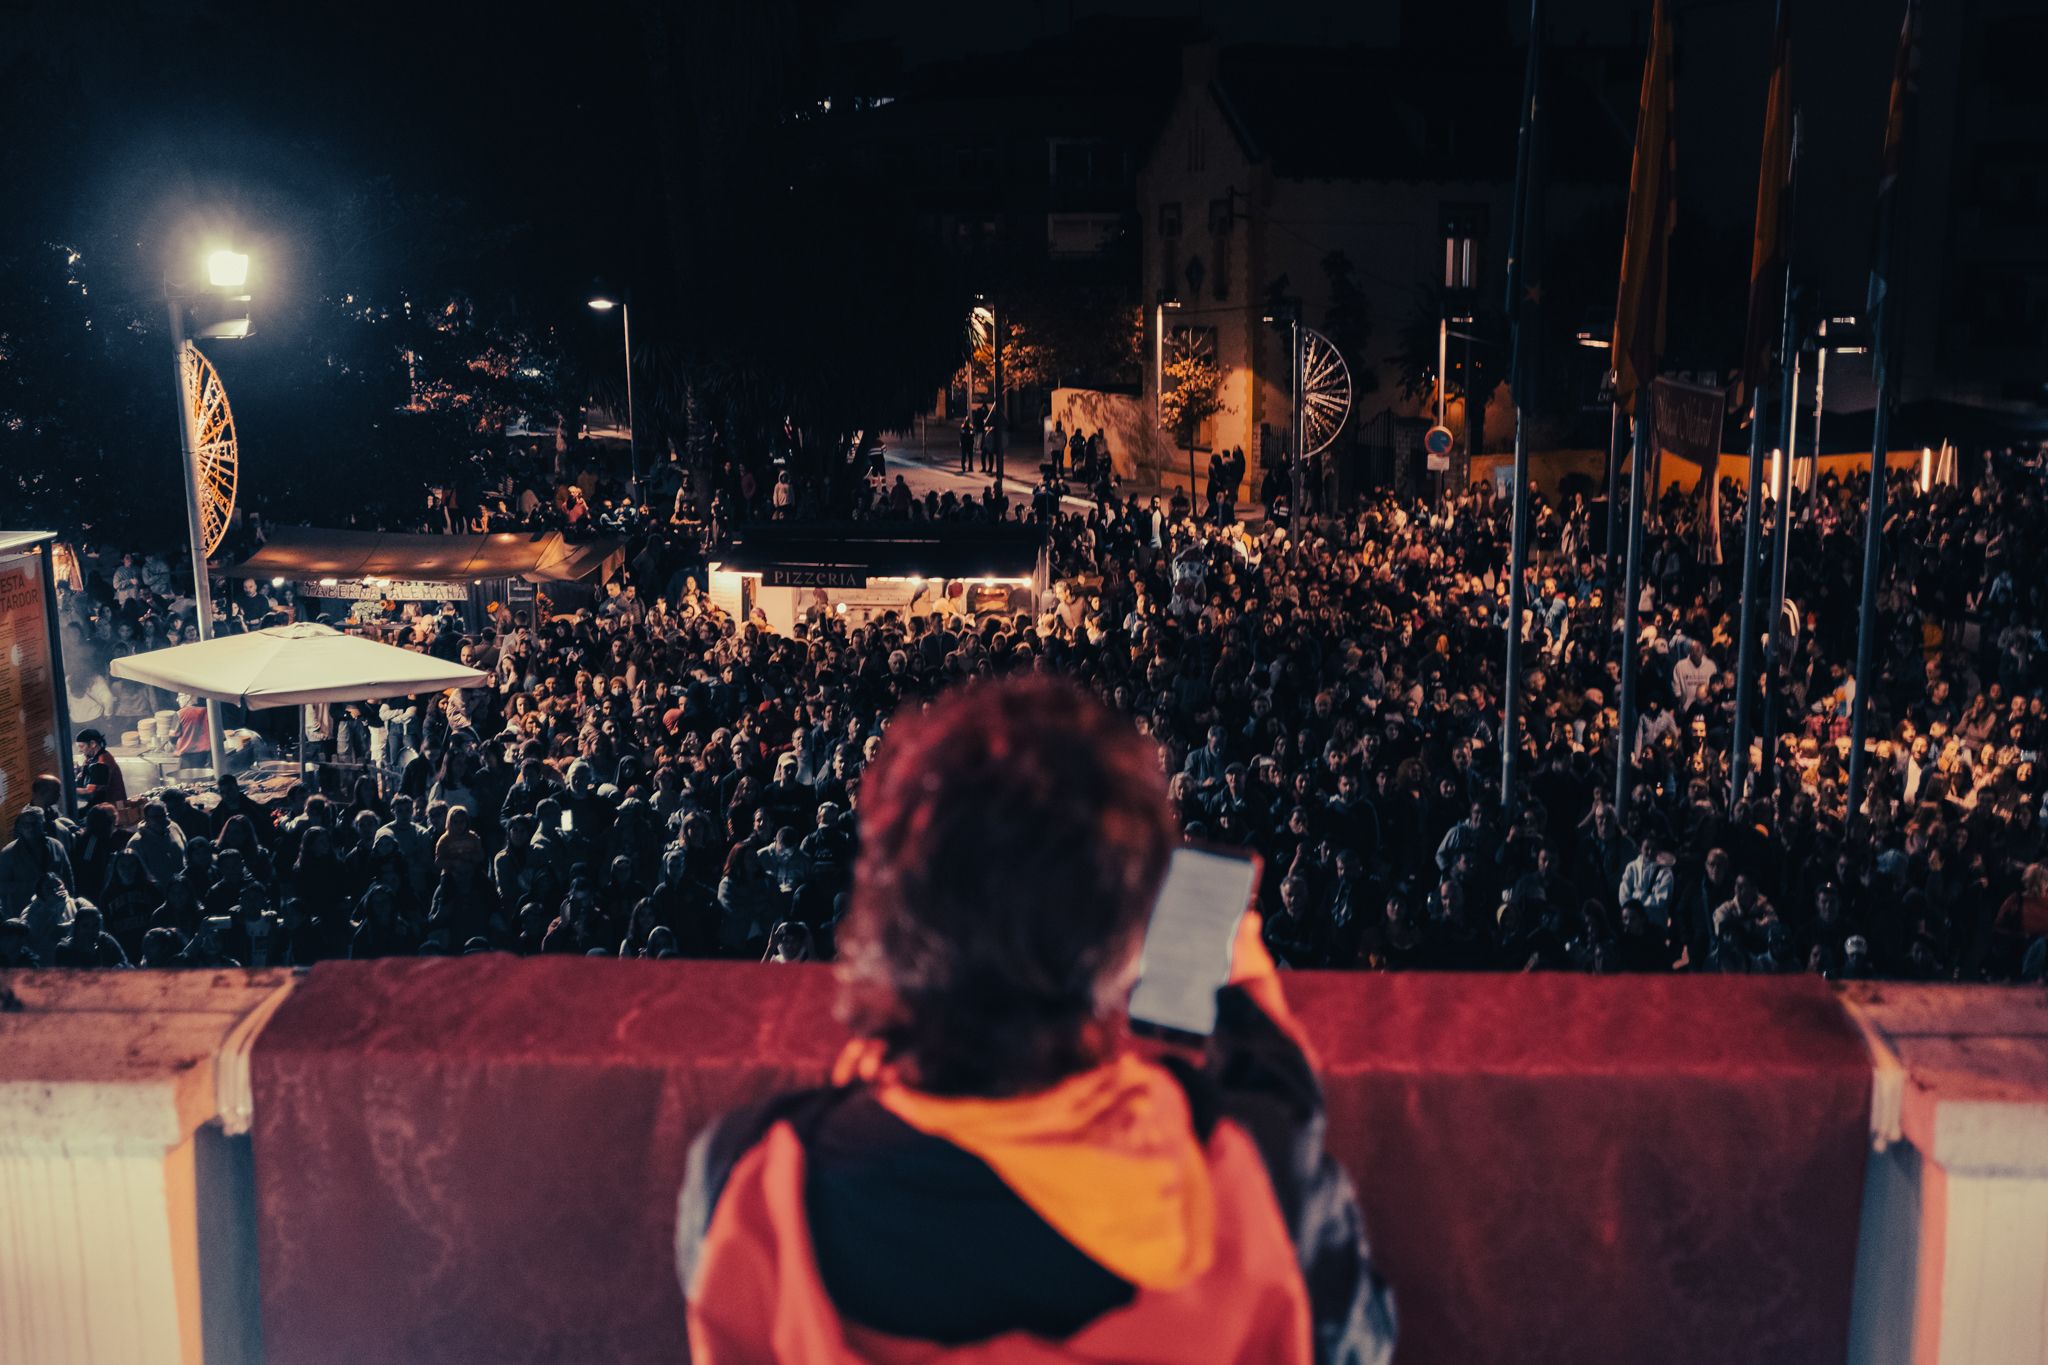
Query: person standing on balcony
995	1170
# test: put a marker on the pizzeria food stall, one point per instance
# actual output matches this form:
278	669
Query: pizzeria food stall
351	574
862	570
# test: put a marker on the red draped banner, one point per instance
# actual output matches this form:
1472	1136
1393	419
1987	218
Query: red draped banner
477	1160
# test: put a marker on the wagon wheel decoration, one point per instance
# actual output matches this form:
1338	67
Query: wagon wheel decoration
213	446
1325	391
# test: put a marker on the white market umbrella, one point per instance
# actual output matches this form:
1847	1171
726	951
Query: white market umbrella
296	665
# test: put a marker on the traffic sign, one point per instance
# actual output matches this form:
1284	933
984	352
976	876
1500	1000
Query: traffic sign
1436	444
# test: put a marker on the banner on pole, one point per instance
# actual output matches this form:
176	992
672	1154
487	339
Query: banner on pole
1689	421
1688	426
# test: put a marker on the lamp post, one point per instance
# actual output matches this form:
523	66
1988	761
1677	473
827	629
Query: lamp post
985	304
604	303
1290	316
1820	385
227	272
1159	311
1297	443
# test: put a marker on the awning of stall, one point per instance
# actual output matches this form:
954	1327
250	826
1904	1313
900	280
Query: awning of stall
845	551
311	552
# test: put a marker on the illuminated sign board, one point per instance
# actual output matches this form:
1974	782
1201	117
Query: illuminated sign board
814	578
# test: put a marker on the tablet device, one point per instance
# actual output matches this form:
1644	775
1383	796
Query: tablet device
1186	957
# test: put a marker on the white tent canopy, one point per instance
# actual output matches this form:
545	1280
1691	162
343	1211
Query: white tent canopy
297	665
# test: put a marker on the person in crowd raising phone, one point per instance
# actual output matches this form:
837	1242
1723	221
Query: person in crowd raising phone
998	1170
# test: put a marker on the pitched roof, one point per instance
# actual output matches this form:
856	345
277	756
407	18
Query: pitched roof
1379	113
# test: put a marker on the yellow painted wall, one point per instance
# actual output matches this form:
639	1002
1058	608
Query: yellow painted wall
1549	468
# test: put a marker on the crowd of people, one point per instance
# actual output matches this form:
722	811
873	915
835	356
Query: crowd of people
650	777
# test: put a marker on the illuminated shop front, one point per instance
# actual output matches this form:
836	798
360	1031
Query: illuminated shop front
862	571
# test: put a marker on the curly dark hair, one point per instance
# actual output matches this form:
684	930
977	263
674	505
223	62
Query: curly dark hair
1013	838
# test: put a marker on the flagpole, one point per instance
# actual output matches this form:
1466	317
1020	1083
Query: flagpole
1518	568
1615	454
1866	615
1638	343
1781	552
1631	588
1884	321
1774	181
1788	425
1745	654
1523	244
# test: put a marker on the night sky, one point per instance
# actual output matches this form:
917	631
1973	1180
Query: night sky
548	116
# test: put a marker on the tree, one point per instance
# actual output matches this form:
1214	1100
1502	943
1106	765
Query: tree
1347	322
1415	361
1191	395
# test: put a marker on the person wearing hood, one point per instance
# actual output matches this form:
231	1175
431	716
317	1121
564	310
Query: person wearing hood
995	1172
48	916
89	944
33	855
160	843
1650	880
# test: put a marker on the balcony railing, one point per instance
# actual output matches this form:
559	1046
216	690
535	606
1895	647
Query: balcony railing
477	1159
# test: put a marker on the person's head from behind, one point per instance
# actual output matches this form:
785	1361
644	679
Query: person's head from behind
161	947
1013	838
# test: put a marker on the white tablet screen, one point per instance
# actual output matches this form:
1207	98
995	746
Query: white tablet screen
1187	946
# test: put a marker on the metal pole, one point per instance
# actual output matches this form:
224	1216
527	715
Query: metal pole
1615	454
632	427
1781	547
1745	653
195	529
1297	455
1820	398
1866	619
995	326
1631	586
1518	564
1470	448
1443	390
67	780
1884	327
1443	348
1158	361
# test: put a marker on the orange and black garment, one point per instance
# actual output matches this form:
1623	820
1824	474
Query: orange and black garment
1139	1212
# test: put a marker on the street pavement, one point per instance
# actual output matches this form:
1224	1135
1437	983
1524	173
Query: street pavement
934	463
936	466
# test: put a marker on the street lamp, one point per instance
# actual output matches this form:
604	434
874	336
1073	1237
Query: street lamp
1159	312
227	273
1297	447
1820	377
987	303
604	303
227	269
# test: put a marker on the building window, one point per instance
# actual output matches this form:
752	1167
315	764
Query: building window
1169	220
1078	162
1464	238
1197	150
1220	217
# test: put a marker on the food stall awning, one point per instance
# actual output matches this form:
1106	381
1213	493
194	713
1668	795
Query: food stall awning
312	552
861	550
294	665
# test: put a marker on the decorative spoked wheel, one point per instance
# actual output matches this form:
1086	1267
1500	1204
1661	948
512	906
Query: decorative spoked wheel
1325	390
213	446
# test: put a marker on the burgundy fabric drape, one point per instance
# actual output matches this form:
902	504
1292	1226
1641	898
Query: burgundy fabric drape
476	1160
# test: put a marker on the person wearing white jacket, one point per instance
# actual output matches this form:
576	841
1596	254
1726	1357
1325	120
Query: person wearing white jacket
1649	879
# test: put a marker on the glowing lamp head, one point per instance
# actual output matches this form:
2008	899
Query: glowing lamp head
603	303
227	269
